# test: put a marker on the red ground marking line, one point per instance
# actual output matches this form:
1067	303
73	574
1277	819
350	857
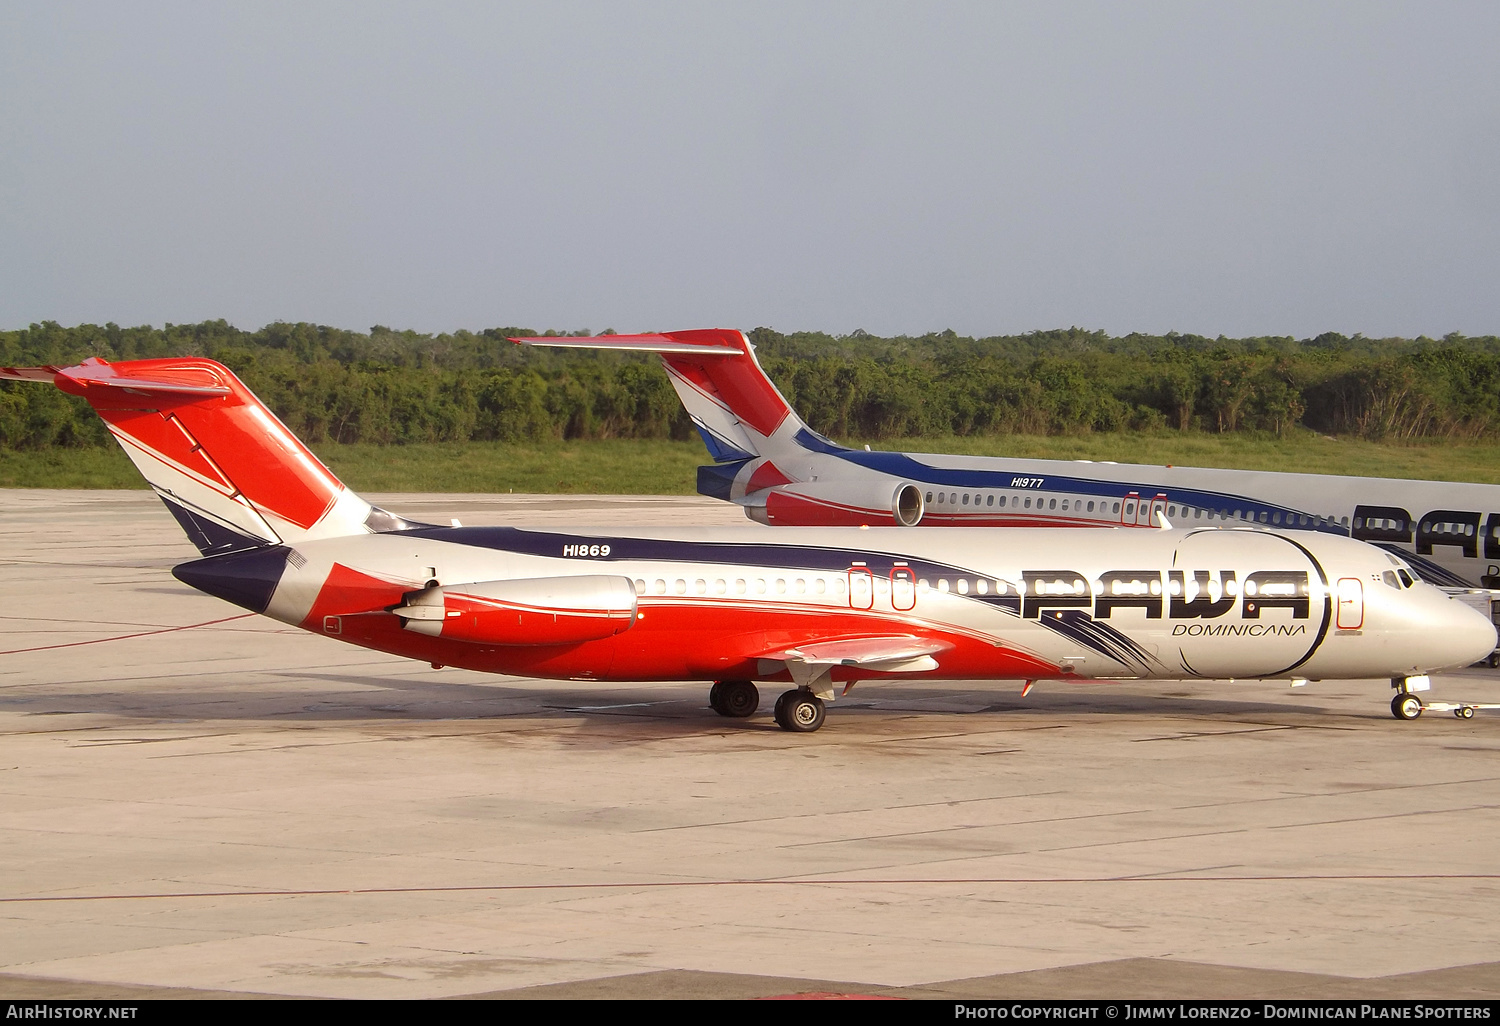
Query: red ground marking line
663	884
828	995
124	637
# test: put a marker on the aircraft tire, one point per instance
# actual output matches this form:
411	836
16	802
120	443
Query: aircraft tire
716	698
1406	707
737	698
800	712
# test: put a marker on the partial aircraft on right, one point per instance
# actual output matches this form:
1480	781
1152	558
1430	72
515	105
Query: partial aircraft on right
782	472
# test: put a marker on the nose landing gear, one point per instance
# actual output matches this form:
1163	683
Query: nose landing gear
1406	707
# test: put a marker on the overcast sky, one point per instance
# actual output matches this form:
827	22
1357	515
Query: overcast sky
1243	169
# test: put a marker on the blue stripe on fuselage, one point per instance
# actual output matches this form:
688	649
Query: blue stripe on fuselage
790	557
899	464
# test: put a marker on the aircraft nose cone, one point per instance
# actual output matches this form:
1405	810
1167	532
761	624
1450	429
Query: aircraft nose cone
1474	635
247	579
1455	634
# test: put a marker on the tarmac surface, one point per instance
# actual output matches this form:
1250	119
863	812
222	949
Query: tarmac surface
196	803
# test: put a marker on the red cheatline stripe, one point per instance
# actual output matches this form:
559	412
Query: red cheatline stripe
123	637
800	882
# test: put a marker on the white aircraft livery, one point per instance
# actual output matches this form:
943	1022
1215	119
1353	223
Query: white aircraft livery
784	473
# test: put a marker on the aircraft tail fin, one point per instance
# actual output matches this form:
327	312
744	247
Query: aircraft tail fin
228	469
736	408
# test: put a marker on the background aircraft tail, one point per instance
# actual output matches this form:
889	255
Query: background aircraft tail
227	468
737	410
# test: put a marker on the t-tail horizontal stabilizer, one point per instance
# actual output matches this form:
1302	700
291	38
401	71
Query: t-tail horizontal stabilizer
736	408
230	472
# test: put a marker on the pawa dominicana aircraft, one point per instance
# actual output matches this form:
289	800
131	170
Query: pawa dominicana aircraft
783	472
819	608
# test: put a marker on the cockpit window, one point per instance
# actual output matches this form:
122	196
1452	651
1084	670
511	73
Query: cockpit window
1389	577
1406	578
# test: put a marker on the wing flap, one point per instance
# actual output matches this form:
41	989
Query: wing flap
811	665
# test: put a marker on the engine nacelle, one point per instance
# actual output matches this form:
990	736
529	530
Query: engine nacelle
833	504
538	611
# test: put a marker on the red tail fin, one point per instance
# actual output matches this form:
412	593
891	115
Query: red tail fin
227	468
735	406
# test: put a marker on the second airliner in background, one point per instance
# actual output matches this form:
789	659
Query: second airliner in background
782	472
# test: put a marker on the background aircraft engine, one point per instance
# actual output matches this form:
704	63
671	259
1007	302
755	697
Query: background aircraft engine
539	611
826	503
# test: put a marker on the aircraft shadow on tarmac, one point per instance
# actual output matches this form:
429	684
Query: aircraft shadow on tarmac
676	710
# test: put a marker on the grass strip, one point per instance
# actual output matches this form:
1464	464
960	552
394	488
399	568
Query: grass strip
651	467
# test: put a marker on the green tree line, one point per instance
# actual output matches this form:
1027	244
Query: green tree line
393	387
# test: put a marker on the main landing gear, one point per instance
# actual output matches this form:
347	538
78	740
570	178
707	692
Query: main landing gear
799	710
734	698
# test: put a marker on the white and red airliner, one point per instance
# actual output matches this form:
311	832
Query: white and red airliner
815	608
784	473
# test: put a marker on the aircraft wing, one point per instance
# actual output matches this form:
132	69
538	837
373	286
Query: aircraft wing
811	665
